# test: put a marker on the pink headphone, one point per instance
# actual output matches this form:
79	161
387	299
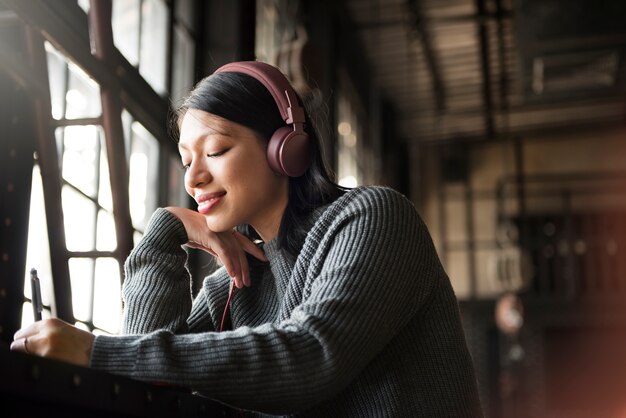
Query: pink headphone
289	149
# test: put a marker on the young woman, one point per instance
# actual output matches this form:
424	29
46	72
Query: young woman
341	309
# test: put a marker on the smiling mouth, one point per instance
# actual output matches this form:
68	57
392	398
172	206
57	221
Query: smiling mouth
206	204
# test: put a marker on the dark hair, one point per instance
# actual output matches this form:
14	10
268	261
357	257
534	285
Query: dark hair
242	99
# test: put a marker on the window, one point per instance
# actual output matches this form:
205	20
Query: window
349	173
184	48
141	31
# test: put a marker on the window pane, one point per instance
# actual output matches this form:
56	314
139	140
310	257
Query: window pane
27	314
106	239
182	64
143	186
176	196
57	78
108	301
83	95
185	13
137	237
84	4
81	325
38	249
79	217
104	190
127	123
80	157
268	31
153	51
81	278
125	24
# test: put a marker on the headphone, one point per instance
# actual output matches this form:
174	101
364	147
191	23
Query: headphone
289	148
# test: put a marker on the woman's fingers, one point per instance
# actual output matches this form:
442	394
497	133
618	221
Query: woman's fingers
55	339
21	344
228	251
201	247
229	247
244	268
32	329
249	246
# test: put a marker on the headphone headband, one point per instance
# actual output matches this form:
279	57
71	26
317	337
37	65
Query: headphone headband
289	148
275	82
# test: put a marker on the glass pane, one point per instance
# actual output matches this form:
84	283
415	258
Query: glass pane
28	317
106	239
104	190
182	64
185	13
81	325
107	307
268	31
83	95
125	23
81	278
176	196
38	249
143	186
154	41
81	148
57	78
137	236
79	217
127	122
84	4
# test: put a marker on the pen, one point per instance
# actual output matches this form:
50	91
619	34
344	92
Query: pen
35	291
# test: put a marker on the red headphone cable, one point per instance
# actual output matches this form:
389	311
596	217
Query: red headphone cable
230	296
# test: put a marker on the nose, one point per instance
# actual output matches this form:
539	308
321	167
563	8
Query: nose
197	175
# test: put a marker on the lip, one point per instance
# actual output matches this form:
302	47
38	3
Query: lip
207	201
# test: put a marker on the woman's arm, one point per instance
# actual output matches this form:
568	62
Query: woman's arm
156	291
156	294
373	269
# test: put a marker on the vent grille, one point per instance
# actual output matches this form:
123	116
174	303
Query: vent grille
575	72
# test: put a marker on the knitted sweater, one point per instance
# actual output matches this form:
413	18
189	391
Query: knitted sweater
364	323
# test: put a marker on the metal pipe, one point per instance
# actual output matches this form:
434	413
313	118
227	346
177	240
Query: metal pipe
50	177
104	49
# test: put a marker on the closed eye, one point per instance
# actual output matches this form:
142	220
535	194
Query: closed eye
217	154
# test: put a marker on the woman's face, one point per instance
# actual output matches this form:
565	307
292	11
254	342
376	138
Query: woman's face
228	174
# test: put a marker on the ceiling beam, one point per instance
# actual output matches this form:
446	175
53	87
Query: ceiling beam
484	59
429	53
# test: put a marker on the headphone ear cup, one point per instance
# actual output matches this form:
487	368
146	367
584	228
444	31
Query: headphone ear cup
289	152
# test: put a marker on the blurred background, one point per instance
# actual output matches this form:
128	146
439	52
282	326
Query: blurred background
502	120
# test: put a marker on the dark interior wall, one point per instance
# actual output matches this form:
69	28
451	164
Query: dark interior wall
17	146
227	32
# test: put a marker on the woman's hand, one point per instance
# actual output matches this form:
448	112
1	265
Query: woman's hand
230	247
55	339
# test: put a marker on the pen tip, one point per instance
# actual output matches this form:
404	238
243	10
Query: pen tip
33	271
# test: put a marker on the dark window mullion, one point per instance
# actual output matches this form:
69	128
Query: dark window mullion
95	227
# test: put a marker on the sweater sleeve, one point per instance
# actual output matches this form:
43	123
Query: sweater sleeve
157	291
373	270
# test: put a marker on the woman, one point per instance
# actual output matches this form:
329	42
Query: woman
343	309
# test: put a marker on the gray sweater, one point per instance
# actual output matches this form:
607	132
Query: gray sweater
364	323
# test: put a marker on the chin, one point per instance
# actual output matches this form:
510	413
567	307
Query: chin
220	226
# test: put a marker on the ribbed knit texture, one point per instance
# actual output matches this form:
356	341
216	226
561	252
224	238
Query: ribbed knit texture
364	324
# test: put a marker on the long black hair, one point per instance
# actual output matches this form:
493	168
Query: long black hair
242	99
